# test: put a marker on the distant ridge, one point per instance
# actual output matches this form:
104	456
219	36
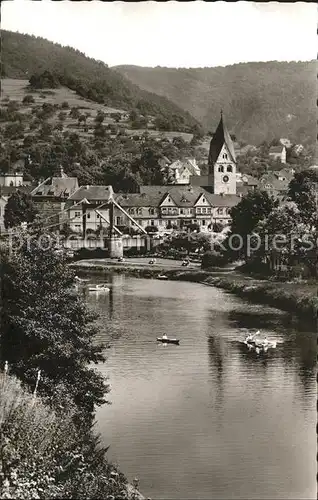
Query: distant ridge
261	100
23	55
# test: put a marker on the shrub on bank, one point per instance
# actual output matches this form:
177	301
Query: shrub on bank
44	455
212	259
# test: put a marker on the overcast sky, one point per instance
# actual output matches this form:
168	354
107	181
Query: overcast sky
172	34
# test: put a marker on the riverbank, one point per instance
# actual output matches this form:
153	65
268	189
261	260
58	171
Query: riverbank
296	298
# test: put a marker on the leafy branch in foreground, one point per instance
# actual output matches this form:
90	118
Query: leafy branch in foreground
46	326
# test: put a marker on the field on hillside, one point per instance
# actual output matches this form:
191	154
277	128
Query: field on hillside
16	90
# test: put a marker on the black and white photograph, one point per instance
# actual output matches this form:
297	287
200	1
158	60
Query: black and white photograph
158	250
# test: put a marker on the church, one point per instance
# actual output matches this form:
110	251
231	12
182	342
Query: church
221	178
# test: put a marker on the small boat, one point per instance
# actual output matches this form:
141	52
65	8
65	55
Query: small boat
98	288
260	345
81	280
168	341
162	277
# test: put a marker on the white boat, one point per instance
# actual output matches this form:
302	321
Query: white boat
98	288
260	344
81	280
162	277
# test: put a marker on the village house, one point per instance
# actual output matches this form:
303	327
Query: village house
181	171
50	196
245	183
88	209
276	183
278	153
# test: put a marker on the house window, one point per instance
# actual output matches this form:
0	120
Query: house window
182	211
77	214
88	215
198	210
118	221
225	156
78	226
151	211
203	222
152	222
208	210
160	222
221	168
131	211
204	210
220	211
229	168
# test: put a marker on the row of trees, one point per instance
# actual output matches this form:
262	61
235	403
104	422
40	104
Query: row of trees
48	340
278	235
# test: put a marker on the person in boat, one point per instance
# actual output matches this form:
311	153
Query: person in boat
164	336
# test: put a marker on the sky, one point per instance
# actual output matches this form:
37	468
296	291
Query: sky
171	34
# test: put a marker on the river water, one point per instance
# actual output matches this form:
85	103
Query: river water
207	419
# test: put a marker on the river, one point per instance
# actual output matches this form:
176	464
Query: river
207	419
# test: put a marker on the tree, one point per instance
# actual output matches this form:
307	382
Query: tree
253	208
44	80
303	190
100	117
19	209
47	327
28	99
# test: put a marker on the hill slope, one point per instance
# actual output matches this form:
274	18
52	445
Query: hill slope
24	55
261	101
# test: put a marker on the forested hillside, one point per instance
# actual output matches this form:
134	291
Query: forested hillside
261	101
25	55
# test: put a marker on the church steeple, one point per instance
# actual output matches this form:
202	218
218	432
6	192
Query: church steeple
222	161
220	138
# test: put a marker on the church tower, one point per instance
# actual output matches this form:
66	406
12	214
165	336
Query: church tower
222	161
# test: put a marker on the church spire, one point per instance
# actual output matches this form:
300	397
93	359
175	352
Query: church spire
220	138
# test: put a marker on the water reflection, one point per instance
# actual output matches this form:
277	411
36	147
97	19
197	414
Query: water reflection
229	423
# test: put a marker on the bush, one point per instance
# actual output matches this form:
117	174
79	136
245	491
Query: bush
44	455
65	105
212	259
28	99
151	229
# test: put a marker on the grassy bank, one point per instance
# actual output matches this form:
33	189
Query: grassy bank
44	456
297	298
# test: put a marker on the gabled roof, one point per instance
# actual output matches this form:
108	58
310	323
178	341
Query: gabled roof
274	182
220	138
247	179
276	149
92	193
182	195
56	186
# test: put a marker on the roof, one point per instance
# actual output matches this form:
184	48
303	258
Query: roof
276	149
247	179
56	186
220	138
273	180
139	199
188	163
92	193
8	190
187	196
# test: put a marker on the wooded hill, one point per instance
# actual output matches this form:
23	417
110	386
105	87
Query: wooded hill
25	55
261	100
